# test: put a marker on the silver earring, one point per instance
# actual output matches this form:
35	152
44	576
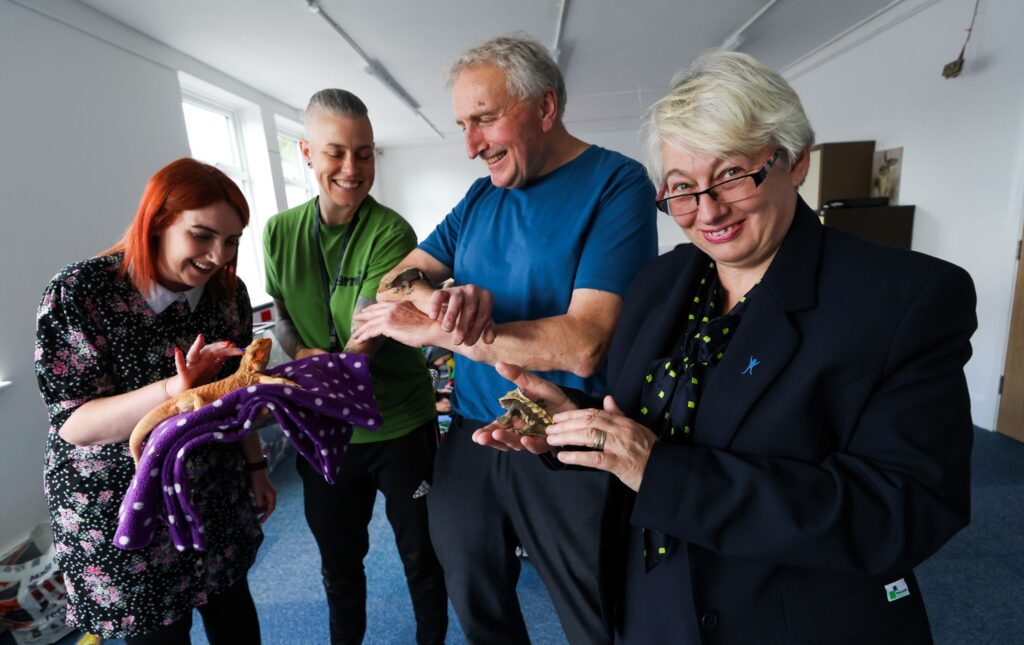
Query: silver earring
309	164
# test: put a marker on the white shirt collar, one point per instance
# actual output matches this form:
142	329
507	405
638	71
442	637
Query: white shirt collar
160	297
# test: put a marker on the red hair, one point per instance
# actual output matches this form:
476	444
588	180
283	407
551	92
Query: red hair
182	185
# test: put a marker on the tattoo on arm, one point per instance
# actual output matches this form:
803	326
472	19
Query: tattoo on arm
285	330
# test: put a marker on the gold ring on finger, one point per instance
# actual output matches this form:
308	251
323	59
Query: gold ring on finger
599	438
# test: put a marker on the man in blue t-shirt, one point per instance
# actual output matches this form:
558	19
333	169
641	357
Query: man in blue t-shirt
542	252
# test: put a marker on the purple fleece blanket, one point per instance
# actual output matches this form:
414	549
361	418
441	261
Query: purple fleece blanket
317	419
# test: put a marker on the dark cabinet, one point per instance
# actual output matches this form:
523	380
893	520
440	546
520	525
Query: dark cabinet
839	170
889	225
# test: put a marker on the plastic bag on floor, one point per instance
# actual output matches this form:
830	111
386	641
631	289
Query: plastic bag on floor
32	598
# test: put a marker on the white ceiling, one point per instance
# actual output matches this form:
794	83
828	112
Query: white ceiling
617	56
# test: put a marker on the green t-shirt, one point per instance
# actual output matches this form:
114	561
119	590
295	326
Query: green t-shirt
380	240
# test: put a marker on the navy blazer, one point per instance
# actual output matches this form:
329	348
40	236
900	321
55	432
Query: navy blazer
823	475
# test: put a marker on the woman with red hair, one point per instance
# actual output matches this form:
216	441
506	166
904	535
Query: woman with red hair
118	334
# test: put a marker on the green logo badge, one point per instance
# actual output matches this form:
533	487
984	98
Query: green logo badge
897	590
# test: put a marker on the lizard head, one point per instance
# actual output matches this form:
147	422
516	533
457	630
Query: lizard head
257	354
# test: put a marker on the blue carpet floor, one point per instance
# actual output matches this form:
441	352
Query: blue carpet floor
974	586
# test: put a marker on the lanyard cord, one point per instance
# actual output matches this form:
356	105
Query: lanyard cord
330	285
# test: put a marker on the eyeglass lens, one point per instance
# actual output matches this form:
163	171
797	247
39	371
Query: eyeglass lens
732	190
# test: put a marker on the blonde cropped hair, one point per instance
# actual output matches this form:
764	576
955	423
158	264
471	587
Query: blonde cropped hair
726	103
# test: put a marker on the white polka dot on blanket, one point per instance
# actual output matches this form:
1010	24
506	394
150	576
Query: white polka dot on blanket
288	391
271	406
357	364
177	488
147	521
218	435
316	359
346	375
188	518
137	506
250	389
319	401
323	451
344	410
360	387
322	433
180	547
170	519
247	424
182	422
288	368
181	453
154	472
123	540
343	355
218	403
201	529
370	422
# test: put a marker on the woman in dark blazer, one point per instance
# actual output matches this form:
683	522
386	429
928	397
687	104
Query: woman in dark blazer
788	402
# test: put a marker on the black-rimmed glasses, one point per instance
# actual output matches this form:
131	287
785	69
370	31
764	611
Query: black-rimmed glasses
724	192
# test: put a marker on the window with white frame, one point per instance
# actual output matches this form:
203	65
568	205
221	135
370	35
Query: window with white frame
215	136
298	180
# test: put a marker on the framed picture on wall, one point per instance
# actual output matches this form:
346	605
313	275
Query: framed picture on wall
885	174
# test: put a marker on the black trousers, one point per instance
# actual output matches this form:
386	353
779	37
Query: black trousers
484	503
339	514
228	618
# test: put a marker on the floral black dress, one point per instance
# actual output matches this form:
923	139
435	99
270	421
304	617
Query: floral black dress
97	336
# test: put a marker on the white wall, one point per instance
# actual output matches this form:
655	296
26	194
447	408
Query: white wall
963	147
80	144
86	123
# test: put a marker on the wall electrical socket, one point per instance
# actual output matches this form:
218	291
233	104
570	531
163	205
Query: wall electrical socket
952	70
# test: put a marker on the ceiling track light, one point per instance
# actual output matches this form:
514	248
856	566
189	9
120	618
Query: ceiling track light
733	41
374	68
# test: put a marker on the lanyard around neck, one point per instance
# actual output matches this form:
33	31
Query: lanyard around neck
329	284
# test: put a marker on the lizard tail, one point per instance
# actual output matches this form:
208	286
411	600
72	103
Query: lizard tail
146	425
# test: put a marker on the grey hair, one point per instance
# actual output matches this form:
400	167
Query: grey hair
529	68
337	102
726	103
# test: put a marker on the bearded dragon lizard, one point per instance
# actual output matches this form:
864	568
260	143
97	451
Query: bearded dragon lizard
254	361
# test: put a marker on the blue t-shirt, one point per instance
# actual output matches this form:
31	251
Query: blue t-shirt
589	224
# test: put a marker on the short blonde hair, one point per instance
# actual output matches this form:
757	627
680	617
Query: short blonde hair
726	103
